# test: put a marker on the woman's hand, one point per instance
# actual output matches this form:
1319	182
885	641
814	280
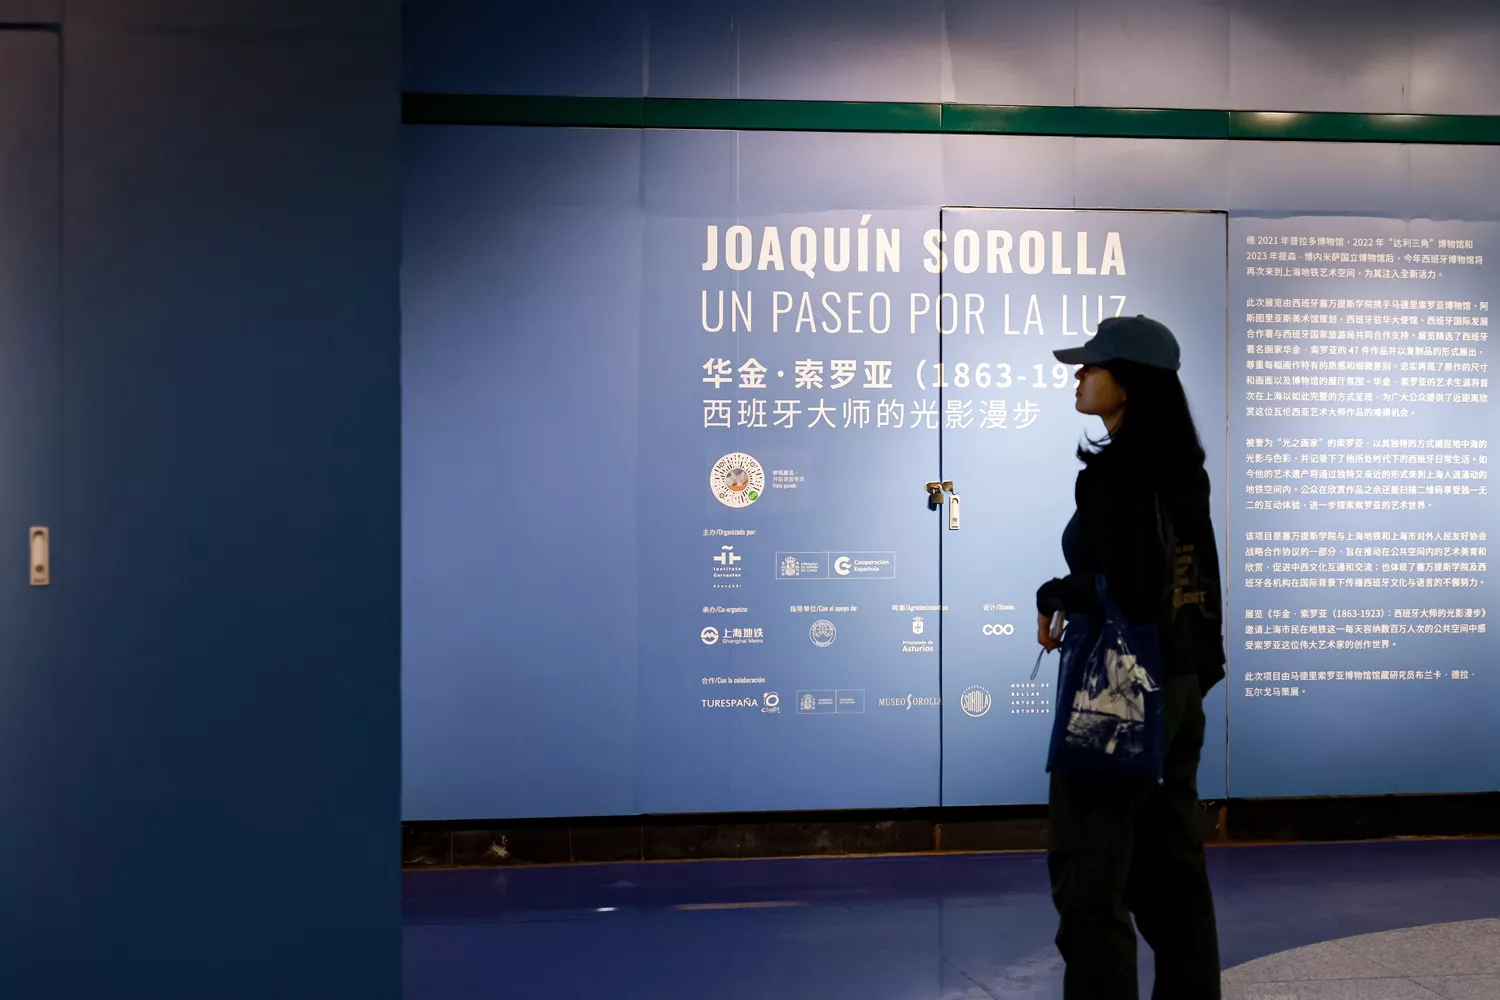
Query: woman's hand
1044	633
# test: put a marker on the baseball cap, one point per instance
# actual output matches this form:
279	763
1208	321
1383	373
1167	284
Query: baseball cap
1127	338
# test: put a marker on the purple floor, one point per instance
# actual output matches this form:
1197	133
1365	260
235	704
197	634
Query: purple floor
903	928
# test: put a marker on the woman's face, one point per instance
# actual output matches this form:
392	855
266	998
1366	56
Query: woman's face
1099	395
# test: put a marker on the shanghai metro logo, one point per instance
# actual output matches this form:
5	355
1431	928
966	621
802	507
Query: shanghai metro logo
737	480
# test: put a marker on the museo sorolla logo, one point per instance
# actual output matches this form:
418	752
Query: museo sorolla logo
975	702
911	701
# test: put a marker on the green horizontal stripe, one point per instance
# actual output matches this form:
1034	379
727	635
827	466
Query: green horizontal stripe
1335	127
792	116
972	119
1148	123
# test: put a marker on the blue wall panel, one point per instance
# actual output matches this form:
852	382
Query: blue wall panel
1016	479
1305	178
1335	55
809	172
1361	518
1388	56
517	47
692	49
30	454
1455	182
841	50
1010	52
513	230
1151	173
1452	69
519	413
1150	54
1019	171
224	491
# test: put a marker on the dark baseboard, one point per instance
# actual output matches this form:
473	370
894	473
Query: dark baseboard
494	843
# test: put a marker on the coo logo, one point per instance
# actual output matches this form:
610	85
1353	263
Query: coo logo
999	630
841	565
975	701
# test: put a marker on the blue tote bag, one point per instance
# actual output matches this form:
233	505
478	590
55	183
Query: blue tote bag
1110	713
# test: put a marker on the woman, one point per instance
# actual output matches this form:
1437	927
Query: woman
1120	846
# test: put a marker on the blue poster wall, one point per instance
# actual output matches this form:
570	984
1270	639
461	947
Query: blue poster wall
559	437
670	403
1362	514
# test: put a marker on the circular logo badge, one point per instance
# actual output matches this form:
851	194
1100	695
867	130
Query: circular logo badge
975	702
737	480
823	633
709	635
772	699
841	565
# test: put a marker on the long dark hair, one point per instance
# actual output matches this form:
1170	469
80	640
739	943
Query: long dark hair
1157	429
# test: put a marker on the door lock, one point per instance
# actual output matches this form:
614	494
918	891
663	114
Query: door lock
935	491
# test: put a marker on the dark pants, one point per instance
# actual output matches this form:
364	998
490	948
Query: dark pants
1121	846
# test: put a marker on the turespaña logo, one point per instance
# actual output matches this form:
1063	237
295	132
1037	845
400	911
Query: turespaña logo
841	565
917	628
772	702
975	702
709	635
823	633
737	480
730	703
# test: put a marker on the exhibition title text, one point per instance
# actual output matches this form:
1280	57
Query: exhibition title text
861	248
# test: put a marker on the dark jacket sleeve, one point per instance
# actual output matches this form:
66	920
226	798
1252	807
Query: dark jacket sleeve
1118	514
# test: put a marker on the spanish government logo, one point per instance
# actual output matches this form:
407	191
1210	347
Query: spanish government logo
737	480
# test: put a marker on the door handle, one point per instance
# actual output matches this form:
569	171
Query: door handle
935	491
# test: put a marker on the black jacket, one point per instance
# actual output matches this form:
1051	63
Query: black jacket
1151	536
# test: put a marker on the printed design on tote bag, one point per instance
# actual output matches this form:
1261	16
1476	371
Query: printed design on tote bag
1109	708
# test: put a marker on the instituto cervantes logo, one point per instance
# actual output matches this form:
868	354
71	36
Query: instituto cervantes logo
737	480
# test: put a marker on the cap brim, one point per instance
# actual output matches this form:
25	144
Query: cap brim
1080	356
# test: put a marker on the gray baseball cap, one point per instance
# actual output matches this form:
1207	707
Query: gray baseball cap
1127	338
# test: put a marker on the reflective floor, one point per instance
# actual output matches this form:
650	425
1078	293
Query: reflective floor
960	927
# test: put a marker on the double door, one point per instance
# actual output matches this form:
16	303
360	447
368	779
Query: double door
844	617
1008	446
